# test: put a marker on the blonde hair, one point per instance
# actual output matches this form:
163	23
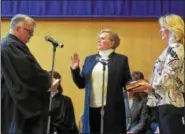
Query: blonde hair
112	36
175	25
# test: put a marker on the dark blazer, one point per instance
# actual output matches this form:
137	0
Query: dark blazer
118	76
137	116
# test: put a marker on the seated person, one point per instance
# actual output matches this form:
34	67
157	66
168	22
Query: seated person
136	109
62	112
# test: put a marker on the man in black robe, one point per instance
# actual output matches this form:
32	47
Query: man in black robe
24	84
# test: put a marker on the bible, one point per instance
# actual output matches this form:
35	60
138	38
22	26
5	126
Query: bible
134	84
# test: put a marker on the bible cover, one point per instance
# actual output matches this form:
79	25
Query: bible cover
133	84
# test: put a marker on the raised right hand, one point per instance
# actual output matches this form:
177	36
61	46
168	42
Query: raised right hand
75	61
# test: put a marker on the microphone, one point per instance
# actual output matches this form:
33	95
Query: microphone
54	42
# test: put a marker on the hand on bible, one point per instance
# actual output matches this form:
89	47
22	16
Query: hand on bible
75	61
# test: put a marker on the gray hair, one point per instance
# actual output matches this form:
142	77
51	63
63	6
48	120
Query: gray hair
18	19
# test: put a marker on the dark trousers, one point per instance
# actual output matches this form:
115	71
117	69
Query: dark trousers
171	119
95	121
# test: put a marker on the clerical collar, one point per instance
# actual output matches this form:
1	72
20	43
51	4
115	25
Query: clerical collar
105	54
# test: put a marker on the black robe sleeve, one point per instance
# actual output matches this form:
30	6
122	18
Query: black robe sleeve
78	78
27	82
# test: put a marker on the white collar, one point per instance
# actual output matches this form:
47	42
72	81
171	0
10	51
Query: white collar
105	54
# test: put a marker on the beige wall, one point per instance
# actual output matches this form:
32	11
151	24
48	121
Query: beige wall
140	41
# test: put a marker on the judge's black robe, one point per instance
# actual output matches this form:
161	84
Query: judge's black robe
62	115
24	86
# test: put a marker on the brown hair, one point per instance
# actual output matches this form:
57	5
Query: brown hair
137	75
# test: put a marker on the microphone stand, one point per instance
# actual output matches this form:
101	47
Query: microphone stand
102	112
50	98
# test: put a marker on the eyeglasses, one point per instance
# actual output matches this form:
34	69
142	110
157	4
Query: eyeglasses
30	31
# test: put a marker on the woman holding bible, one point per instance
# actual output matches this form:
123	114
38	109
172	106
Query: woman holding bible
166	88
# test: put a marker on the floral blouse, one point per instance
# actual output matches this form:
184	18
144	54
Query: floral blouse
167	78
